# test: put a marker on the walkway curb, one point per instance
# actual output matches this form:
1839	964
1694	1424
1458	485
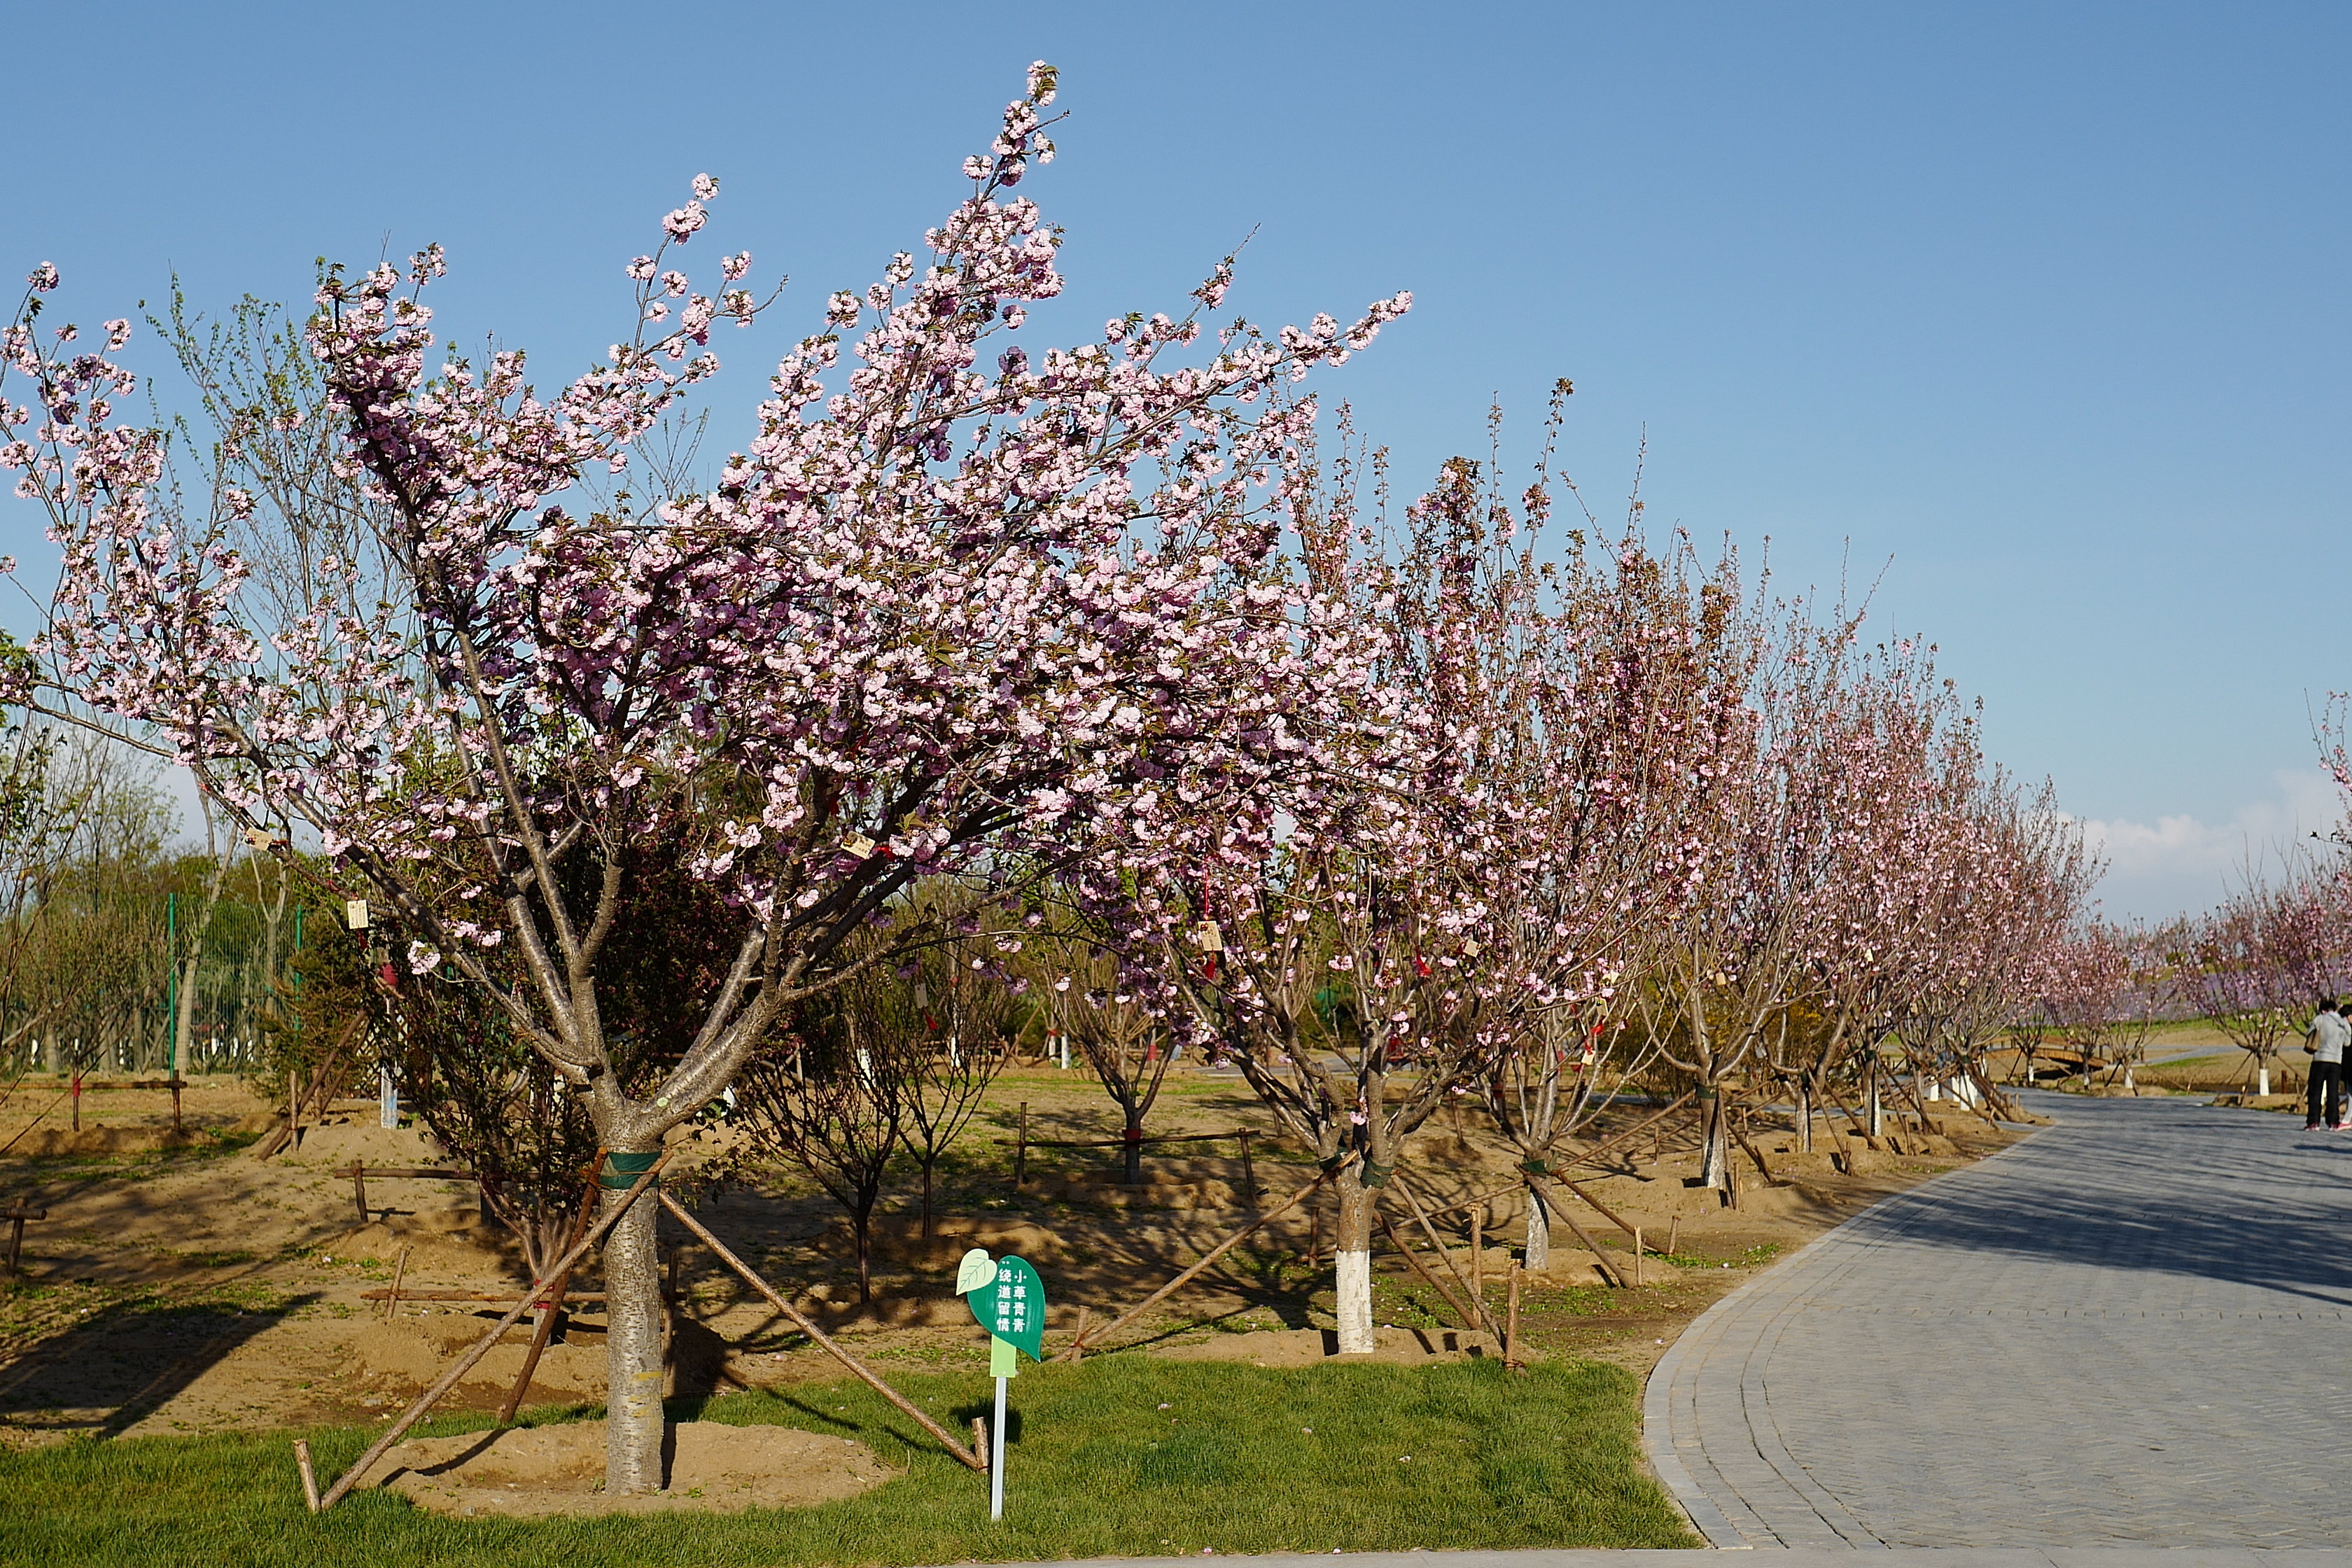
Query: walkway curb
1660	1442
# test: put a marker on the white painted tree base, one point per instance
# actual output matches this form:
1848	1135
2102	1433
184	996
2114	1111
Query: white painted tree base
1538	1238
1356	1303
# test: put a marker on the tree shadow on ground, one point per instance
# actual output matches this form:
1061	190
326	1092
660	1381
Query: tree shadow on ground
125	1362
2208	1194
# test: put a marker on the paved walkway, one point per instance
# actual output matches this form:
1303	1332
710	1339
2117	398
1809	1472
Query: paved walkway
1798	1557
2132	1330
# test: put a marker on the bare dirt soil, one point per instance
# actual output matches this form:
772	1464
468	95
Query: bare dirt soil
186	1285
533	1471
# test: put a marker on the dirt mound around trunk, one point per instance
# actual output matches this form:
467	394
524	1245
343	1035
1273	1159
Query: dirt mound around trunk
535	1471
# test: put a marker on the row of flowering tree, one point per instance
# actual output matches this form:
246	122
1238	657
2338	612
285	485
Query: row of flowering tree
2257	965
1089	650
1599	807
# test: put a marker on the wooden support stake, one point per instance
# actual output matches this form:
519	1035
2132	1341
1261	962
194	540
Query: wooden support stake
1637	1257
1611	1215
1674	1234
1511	1361
1513	1186
1485	1319
17	1218
1593	1155
1753	1153
359	1189
1462	1314
979	1441
465	1363
1078	1345
553	1305
1845	1146
1600	1258
310	1475
1021	1149
978	1461
1249	1173
1079	1337
1478	1254
392	1297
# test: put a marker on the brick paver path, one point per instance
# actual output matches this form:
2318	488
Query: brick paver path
2134	1328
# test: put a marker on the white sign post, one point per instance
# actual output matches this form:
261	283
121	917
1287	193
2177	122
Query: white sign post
1008	1299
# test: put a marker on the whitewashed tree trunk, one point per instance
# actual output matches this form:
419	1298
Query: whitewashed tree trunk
1715	1165
1538	1238
1353	1258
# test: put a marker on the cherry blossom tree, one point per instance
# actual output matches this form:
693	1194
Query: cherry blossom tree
2227	976
2106	986
942	616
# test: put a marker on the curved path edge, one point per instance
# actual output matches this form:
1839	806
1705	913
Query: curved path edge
1664	1444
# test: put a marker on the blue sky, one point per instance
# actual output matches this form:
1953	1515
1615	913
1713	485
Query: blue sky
2042	305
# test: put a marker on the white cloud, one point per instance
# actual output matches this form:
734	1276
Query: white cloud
2179	864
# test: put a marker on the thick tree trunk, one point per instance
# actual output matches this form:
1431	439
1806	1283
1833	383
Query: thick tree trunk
1804	1113
1715	1165
1875	1108
632	1365
1353	1256
1133	1176
1538	1238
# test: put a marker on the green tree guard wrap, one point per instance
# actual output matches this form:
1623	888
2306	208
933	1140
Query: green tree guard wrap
620	1171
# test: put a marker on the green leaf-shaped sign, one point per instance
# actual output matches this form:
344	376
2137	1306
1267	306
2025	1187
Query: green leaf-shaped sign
1012	1306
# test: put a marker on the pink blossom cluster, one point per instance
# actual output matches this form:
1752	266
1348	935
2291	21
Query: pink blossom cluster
945	613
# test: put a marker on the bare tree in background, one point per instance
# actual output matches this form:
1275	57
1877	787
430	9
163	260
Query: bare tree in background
830	1096
1125	1042
969	1016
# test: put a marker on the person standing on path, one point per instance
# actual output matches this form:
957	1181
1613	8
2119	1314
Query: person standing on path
2325	1042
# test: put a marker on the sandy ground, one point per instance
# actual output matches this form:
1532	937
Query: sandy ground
196	1288
539	1471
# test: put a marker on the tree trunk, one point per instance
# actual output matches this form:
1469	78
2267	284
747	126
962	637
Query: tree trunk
1133	1176
863	1224
1353	1256
1715	1165
184	1022
632	1363
1804	1113
927	1200
1539	1239
1875	1109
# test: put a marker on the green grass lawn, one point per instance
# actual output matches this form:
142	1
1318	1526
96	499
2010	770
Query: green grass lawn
1241	1460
